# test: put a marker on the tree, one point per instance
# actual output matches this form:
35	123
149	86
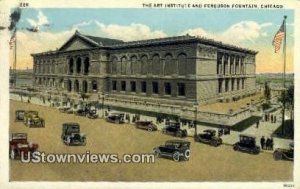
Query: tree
267	92
288	97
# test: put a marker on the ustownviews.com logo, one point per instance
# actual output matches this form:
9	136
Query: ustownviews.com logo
87	157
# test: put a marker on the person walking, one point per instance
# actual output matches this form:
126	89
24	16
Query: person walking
262	142
271	143
268	143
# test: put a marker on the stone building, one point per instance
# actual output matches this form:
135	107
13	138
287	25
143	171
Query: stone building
181	70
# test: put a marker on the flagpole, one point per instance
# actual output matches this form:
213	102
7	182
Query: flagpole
284	70
15	63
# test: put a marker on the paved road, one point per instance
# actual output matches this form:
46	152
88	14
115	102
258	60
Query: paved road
206	163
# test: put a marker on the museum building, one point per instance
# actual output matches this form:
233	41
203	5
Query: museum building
179	70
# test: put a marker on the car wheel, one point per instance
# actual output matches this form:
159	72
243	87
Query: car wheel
12	154
178	134
176	156
214	143
149	129
235	147
256	151
156	153
187	154
277	155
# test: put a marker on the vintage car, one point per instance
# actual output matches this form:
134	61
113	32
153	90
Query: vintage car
92	114
147	125
175	149
20	115
81	111
174	129
65	109
71	135
209	137
247	144
18	146
286	154
32	119
116	118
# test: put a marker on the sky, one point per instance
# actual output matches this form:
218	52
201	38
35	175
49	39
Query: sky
253	29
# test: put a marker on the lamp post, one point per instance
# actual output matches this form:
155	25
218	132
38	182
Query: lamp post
103	98
196	117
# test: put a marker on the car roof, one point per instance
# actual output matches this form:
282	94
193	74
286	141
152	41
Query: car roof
209	130
19	135
71	123
177	141
247	135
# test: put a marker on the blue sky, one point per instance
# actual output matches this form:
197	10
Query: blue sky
248	28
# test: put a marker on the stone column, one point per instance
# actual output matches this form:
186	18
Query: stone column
229	63
222	64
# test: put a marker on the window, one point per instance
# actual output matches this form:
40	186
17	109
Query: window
220	85
114	85
144	86
243	83
168	89
226	85
132	86
155	87
181	89
123	85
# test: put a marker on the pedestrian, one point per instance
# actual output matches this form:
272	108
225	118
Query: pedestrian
257	124
268	143
271	143
262	142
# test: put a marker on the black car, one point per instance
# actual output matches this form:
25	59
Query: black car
116	118
174	130
209	137
82	112
284	154
92	114
71	134
247	144
175	149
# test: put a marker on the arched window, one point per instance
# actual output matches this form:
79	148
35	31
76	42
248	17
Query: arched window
69	87
114	65
136	67
182	64
84	86
94	86
71	65
169	66
86	65
144	63
123	65
128	68
78	65
156	65
76	86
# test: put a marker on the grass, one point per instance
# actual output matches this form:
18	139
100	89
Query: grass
288	130
242	125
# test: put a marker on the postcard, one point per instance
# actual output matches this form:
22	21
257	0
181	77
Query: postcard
172	94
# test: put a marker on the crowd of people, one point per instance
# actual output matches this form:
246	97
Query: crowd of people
266	144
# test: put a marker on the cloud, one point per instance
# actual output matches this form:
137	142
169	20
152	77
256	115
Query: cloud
245	31
41	20
133	31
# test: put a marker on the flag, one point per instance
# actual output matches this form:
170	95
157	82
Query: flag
278	37
12	40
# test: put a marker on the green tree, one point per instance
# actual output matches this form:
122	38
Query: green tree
288	97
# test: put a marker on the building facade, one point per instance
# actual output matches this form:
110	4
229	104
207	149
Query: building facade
181	70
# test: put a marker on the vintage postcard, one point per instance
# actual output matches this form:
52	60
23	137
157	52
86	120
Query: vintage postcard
193	94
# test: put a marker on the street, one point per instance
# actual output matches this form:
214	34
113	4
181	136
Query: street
206	163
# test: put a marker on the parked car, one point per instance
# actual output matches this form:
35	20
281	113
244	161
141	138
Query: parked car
81	111
174	129
19	115
209	137
116	118
247	144
286	154
71	134
64	109
32	119
92	114
175	149
18	144
147	125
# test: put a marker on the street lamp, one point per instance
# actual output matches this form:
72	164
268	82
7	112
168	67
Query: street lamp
103	98
196	117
